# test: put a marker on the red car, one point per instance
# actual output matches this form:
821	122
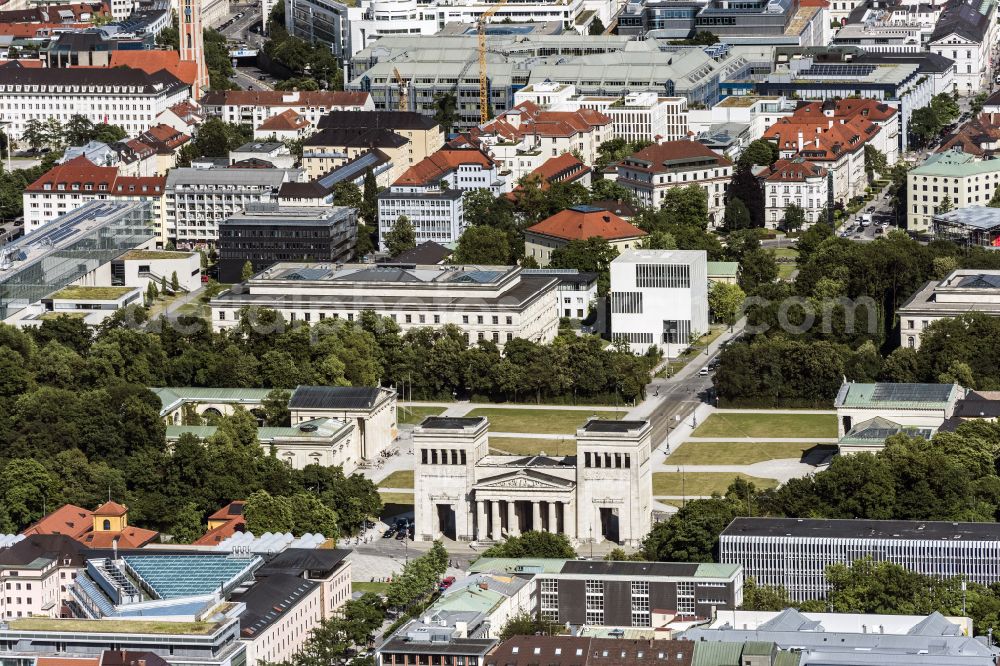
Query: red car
446	582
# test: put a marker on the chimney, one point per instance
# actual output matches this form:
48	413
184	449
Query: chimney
800	140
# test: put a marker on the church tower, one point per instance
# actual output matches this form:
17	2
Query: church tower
192	42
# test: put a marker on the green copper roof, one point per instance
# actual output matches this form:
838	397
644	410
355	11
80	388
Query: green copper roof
470	599
955	163
875	431
510	565
715	570
788	659
717	654
172	398
325	429
723	269
758	648
897	396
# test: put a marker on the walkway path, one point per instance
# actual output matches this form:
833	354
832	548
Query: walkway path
729	410
781	469
759	440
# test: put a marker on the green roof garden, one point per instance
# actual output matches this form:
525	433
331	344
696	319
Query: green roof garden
111	626
149	255
80	292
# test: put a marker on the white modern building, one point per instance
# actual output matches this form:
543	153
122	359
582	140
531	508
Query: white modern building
461	491
659	298
924	406
794	552
198	199
129	98
495	303
963	291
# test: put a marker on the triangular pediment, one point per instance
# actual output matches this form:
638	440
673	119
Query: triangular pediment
524	479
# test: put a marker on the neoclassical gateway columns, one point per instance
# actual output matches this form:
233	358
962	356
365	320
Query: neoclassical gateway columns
463	493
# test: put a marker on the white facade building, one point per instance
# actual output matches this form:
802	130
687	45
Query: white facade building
495	303
964	179
129	98
967	34
637	116
430	193
253	107
964	291
659	298
198	199
604	492
650	173
794	181
794	552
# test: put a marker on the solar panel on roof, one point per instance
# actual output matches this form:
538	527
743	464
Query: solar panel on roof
843	70
349	171
911	392
173	576
480	277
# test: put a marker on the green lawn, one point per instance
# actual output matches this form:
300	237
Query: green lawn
785	271
413	415
541	420
399	479
76	292
397	498
362	587
735	453
785	253
527	447
757	424
701	483
111	626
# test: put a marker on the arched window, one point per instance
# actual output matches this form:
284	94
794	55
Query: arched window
910	342
106	524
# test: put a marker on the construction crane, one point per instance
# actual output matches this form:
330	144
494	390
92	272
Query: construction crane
484	88
403	90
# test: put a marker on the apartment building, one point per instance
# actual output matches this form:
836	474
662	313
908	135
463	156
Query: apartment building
528	131
495	303
197	200
34	575
794	552
659	298
129	98
253	107
67	186
430	193
331	149
963	179
423	135
636	116
966	33
650	173
794	181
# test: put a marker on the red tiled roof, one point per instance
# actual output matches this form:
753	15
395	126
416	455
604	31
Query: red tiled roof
188	111
90	179
73	521
793	170
286	121
433	167
79	171
38	29
68	661
581	223
130	537
670	155
824	140
527	119
111	509
324	98
155	61
565	168
139	185
230	511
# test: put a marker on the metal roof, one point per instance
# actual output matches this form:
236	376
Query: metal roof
334	397
898	396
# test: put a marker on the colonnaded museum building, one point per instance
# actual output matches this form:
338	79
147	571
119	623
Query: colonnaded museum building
463	492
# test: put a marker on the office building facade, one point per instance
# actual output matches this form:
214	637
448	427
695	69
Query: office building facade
794	552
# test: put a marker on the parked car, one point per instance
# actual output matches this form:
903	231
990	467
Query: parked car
446	582
400	535
389	533
703	372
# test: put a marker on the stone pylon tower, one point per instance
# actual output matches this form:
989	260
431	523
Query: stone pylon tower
192	42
